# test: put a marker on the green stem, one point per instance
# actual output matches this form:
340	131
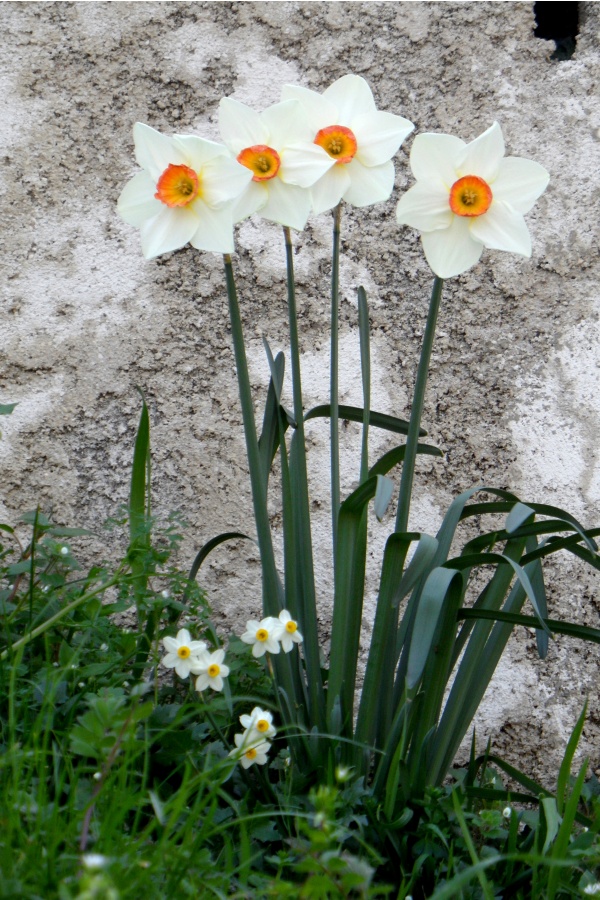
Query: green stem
408	467
272	591
334	377
305	581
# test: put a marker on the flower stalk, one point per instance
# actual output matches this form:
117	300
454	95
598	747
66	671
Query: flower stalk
334	377
408	467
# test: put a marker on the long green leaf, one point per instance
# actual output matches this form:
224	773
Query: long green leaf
555	626
270	434
138	485
365	369
397	454
565	768
430	606
355	414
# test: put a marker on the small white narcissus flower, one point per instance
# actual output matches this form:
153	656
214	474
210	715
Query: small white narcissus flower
260	721
183	654
262	636
286	631
359	139
467	197
249	751
276	147
184	195
212	671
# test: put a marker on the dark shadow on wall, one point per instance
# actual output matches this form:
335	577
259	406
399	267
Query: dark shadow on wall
558	22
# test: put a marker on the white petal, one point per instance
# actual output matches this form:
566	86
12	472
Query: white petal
137	202
304	164
372	185
170	644
214	230
250	201
223	179
482	157
170	230
352	96
240	126
452	251
379	135
329	190
520	182
287	204
197	151
501	228
319	111
154	151
182	668
425	206
286	123
202	682
433	158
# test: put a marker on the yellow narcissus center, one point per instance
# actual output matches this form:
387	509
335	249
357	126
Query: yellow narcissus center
263	161
251	753
291	626
177	186
262	635
262	725
339	142
213	670
470	196
184	652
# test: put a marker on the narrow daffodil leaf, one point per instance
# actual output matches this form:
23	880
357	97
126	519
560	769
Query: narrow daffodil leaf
396	455
518	516
426	621
6	408
355	414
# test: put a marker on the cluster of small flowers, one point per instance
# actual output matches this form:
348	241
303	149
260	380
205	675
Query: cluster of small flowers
309	152
252	746
270	634
187	656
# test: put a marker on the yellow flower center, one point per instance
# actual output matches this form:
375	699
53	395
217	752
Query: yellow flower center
213	670
263	161
291	626
251	753
262	635
470	196
177	186
339	142
184	652
262	725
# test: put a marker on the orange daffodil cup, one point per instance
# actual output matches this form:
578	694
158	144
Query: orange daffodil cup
359	140
467	197
184	194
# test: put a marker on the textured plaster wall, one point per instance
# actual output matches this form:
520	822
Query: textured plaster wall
512	398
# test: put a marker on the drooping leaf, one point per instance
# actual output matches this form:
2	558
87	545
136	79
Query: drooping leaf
355	414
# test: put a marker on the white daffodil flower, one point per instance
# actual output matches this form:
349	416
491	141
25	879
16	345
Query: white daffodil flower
286	631
183	654
259	722
276	147
249	750
184	195
358	138
262	636
467	197
211	671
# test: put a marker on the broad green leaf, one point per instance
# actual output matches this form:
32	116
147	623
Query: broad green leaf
551	821
383	495
426	622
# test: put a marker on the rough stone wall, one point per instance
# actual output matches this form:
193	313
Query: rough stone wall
84	319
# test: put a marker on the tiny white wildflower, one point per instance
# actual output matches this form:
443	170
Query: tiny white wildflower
97	776
94	860
507	812
64	551
262	636
591	889
211	671
249	750
260	721
286	631
165	594
183	654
